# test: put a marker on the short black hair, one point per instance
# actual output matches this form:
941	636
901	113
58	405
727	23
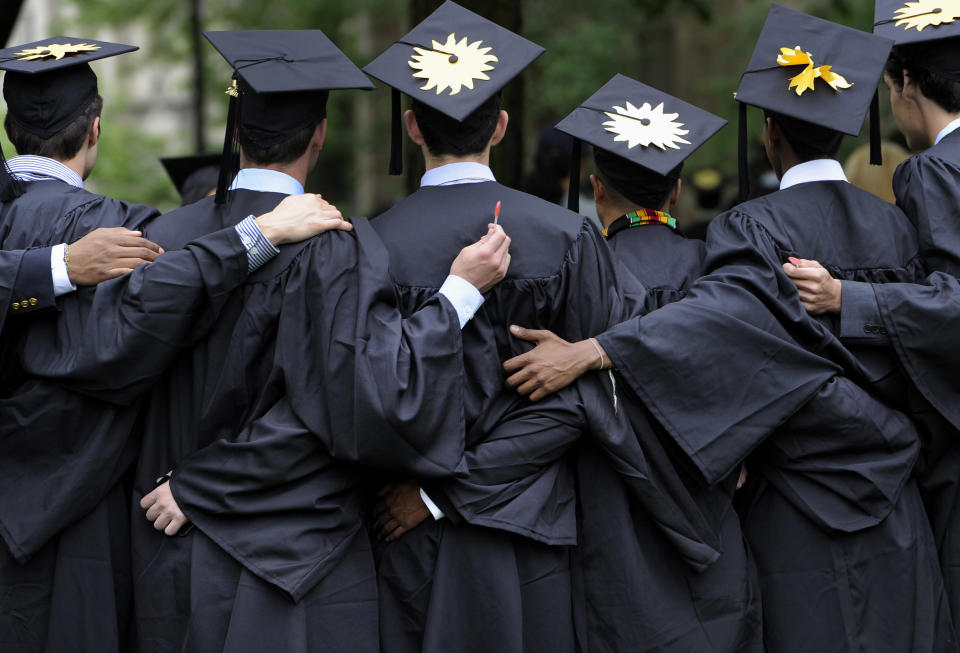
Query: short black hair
629	182
445	135
286	106
286	151
807	140
64	144
935	87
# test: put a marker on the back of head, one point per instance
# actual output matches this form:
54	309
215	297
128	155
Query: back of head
930	66
807	140
635	183
276	128
50	114
445	135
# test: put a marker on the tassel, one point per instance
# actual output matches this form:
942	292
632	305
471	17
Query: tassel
396	135
228	160
743	155
573	194
876	144
10	187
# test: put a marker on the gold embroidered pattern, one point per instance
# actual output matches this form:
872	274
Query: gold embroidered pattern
56	50
646	126
453	64
927	13
805	80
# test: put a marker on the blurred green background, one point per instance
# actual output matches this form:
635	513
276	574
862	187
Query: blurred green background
694	49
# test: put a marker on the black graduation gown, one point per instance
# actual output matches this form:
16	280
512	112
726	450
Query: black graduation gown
64	573
495	574
664	260
307	373
716	609
922	322
843	550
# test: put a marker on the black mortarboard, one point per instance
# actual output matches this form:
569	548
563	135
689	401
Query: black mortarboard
639	126
48	84
815	71
283	80
927	33
194	175
453	61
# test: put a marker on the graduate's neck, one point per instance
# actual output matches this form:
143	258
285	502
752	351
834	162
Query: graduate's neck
935	119
435	161
297	169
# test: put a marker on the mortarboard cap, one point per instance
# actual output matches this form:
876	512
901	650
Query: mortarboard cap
639	126
283	80
453	61
814	71
49	83
927	33
194	175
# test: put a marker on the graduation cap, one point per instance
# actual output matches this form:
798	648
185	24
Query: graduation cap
814	71
48	84
927	32
453	61
194	175
635	128
282	78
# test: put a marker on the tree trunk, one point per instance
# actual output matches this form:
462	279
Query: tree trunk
8	18
199	114
507	157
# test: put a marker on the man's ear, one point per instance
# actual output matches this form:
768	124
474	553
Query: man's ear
910	90
413	129
320	134
675	194
501	129
93	137
770	132
599	192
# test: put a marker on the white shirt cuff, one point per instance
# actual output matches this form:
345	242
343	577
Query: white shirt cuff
259	249
466	299
431	506
58	269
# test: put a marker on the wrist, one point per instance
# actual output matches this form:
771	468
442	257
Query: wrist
837	303
271	234
586	358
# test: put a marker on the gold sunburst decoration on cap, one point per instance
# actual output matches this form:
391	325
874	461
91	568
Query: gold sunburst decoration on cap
453	64
646	126
927	13
806	80
56	50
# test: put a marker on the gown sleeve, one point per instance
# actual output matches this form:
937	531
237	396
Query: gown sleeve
116	344
733	346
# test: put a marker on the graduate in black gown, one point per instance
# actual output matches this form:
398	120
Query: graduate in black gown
918	321
491	568
637	181
832	515
194	175
308	374
64	569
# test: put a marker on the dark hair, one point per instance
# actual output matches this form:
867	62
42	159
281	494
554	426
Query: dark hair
935	87
807	140
64	144
637	185
285	151
445	135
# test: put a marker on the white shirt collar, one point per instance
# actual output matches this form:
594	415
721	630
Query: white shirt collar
266	181
30	167
946	131
463	172
816	170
